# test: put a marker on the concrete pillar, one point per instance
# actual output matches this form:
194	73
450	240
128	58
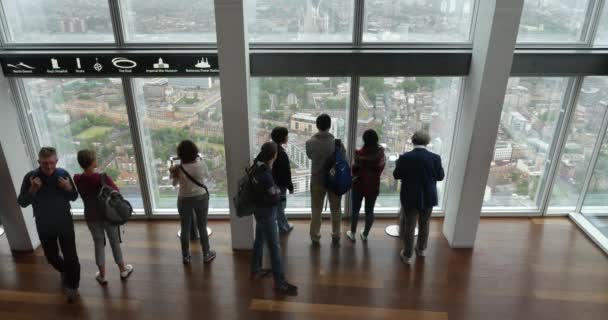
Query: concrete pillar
485	87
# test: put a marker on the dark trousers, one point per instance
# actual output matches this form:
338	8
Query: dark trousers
409	217
188	208
266	230
369	212
65	239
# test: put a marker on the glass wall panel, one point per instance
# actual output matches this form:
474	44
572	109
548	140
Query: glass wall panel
300	20
57	21
295	103
553	21
601	37
396	108
528	125
595	206
584	130
75	114
168	21
174	109
418	21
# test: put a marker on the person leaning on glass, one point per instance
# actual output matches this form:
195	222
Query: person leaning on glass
192	199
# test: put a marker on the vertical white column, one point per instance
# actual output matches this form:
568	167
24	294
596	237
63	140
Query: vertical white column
15	162
233	53
485	87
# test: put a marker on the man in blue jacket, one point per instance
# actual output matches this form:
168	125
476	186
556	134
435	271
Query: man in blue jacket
49	190
419	170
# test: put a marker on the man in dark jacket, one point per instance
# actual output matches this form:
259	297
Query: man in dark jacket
419	170
49	190
267	198
281	173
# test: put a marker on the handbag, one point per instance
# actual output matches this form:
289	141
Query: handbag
202	185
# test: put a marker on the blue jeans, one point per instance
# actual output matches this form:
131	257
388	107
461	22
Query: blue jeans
266	230
281	218
369	212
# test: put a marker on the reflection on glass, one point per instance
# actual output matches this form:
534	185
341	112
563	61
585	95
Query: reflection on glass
174	109
74	114
58	21
595	206
396	108
295	103
552	21
585	126
417	21
528	124
169	21
300	20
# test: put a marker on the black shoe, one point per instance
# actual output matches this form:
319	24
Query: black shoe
260	274
335	241
287	289
186	260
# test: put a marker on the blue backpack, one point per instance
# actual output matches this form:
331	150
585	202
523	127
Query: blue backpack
338	178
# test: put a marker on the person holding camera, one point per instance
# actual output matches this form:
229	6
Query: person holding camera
193	198
89	184
49	190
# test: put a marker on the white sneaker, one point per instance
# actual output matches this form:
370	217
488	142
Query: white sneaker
125	274
404	259
102	280
351	236
363	237
420	253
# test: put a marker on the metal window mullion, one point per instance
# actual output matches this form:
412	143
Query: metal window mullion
557	147
5	31
136	139
21	103
359	16
352	131
594	158
593	21
117	25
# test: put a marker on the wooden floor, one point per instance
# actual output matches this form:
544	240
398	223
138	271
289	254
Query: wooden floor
519	269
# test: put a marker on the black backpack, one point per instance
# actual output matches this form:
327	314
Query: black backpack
111	205
244	202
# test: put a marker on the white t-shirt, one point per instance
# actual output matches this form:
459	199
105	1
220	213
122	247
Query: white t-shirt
187	188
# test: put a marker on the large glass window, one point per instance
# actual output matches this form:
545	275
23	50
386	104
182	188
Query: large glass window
300	20
75	114
601	38
168	21
553	21
295	103
584	130
175	109
57	21
418	21
396	108
595	206
530	116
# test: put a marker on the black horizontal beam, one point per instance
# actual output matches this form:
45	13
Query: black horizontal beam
380	63
360	63
560	63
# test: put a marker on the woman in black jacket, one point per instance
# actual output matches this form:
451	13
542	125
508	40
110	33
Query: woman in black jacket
281	173
267	198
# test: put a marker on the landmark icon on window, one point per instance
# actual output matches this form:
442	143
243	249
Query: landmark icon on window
55	63
161	64
203	64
